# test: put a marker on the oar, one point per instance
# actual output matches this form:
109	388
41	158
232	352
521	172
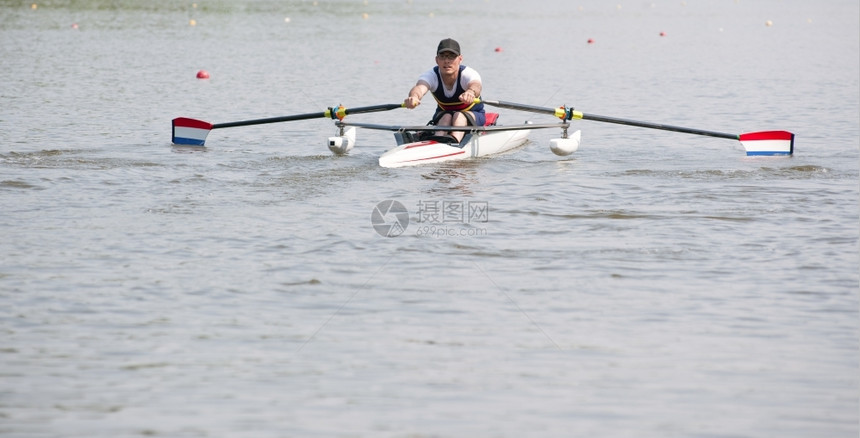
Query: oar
755	143
193	132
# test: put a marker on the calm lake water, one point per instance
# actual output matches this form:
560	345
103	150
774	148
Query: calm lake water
653	284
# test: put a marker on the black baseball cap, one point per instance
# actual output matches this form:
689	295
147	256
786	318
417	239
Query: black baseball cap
448	45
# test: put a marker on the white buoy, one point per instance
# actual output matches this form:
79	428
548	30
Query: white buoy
343	144
565	146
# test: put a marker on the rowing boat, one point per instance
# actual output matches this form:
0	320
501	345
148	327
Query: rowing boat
478	141
438	150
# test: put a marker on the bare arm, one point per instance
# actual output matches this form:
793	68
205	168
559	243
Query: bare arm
473	91
415	94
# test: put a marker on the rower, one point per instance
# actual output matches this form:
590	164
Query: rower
455	87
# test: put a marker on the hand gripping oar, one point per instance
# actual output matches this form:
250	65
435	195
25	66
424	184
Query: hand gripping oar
193	132
755	143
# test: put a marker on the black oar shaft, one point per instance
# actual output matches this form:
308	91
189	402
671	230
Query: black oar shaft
270	120
569	113
596	118
520	106
374	108
331	112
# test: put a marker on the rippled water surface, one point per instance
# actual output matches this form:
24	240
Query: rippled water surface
652	284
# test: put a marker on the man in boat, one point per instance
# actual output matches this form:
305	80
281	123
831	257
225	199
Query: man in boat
455	88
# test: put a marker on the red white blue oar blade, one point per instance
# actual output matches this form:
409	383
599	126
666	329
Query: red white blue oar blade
190	131
768	143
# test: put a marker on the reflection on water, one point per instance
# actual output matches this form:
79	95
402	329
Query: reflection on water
181	149
452	179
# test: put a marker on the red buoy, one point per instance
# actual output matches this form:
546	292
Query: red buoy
591	41
662	33
498	49
202	74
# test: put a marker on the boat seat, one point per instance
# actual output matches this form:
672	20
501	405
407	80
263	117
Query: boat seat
491	119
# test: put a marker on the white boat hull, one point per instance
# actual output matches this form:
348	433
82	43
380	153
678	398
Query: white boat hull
477	145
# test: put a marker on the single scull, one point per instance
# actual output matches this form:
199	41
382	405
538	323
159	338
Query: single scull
478	141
